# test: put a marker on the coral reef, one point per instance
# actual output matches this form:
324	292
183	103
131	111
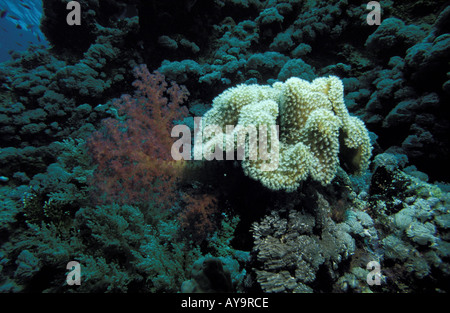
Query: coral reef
86	172
416	248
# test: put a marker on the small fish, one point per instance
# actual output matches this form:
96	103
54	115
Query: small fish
25	6
38	38
3	13
19	44
3	179
14	17
18	26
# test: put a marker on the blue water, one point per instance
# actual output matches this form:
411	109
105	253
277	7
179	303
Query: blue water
19	28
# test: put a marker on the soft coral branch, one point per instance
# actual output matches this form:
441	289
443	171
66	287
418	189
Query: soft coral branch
134	154
197	220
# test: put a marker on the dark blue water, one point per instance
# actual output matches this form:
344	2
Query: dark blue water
19	26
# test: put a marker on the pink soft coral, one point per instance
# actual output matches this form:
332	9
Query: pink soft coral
133	155
197	220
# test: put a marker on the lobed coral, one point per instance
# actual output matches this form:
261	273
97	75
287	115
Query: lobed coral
315	127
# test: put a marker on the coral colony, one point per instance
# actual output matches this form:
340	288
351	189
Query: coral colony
245	146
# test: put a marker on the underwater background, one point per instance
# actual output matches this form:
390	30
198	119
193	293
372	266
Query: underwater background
360	201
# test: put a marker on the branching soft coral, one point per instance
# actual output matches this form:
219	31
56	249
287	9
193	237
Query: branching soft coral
133	154
197	219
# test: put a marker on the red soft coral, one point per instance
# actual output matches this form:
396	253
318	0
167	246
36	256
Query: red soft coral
197	218
134	154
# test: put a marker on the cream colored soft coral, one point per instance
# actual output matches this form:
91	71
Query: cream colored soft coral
316	132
